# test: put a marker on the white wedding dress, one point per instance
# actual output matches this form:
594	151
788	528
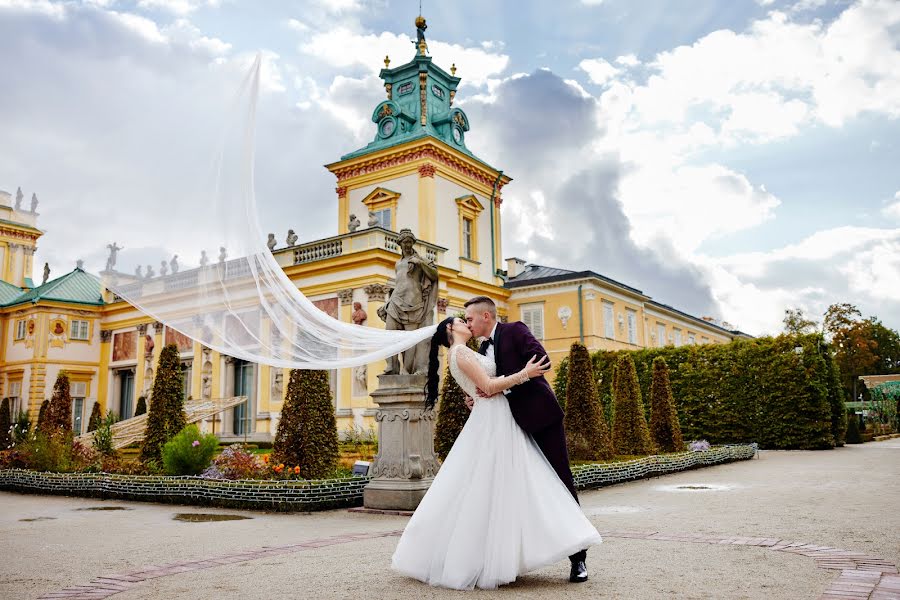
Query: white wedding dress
496	508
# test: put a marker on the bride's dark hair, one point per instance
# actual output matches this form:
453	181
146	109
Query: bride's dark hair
440	338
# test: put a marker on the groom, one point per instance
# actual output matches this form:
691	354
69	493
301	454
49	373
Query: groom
533	404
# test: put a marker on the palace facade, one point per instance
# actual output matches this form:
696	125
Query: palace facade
417	173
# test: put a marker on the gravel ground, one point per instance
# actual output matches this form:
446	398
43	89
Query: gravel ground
845	498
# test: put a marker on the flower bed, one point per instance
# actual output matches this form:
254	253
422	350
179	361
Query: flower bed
294	495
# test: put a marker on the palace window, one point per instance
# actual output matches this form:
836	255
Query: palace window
691	339
186	371
632	326
78	391
533	317
467	238
20	329
79	330
15	398
382	203
609	326
677	335
660	334
469	208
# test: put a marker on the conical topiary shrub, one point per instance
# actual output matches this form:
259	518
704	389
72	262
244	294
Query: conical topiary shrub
664	428
96	417
5	424
141	406
452	411
166	417
307	432
587	435
42	416
59	413
630	433
452	415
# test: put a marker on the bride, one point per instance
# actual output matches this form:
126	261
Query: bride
496	508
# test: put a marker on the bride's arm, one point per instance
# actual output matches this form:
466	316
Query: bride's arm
494	385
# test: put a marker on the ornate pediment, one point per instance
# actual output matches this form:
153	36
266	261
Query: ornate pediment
469	204
381	197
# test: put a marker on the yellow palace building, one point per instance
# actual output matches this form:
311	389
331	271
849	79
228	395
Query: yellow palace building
417	173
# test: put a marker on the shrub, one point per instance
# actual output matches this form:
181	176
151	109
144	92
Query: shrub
96	418
630	433
59	413
42	415
166	417
189	452
103	438
21	428
5	425
836	395
307	431
141	406
587	434
854	435
664	428
235	462
57	452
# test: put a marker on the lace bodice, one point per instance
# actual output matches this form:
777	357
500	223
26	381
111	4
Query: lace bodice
464	353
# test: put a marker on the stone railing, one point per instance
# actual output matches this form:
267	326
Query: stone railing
317	495
349	243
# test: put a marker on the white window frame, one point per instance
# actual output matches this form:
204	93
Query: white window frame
660	334
78	414
384	217
79	330
692	339
468	242
21	329
676	335
609	320
15	398
631	319
533	317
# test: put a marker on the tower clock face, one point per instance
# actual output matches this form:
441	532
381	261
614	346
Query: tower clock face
387	127
457	135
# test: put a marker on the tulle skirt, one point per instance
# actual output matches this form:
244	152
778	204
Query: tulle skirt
495	510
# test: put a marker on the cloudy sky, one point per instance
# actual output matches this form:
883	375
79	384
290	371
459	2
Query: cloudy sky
729	158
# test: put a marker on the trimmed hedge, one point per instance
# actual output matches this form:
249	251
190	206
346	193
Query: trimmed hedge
758	390
307	432
587	433
664	428
166	416
630	432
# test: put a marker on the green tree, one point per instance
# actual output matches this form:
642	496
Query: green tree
166	417
141	407
853	434
887	348
854	342
452	415
664	427
836	395
42	415
587	434
795	322
96	417
5	424
59	413
307	432
630	432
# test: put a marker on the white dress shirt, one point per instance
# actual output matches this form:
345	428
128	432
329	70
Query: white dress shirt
490	349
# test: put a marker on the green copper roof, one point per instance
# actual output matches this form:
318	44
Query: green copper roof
414	87
8	292
76	287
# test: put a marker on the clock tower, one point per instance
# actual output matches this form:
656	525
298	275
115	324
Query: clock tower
418	173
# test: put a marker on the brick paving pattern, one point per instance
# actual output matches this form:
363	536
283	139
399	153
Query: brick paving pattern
862	577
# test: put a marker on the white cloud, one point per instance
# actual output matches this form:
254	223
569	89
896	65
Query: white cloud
628	60
892	210
475	65
598	70
176	7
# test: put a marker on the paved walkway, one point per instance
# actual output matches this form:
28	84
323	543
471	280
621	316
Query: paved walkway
812	525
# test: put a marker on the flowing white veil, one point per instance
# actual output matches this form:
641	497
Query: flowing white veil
241	302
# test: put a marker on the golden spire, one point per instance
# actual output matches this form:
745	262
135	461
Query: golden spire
387	61
453	69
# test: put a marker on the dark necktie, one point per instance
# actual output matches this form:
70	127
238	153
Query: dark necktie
484	345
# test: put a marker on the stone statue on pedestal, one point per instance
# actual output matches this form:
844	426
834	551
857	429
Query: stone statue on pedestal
46	273
411	304
354	223
113	254
270	242
291	237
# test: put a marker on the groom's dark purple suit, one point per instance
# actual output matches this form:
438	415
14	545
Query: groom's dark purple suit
533	403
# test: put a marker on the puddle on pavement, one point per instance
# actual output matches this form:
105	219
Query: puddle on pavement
207	517
105	508
38	519
697	487
613	510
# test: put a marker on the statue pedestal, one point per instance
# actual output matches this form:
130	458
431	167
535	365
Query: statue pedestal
405	464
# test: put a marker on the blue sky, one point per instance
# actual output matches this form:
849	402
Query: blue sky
729	158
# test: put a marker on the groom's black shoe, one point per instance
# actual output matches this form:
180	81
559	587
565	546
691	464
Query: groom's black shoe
579	572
